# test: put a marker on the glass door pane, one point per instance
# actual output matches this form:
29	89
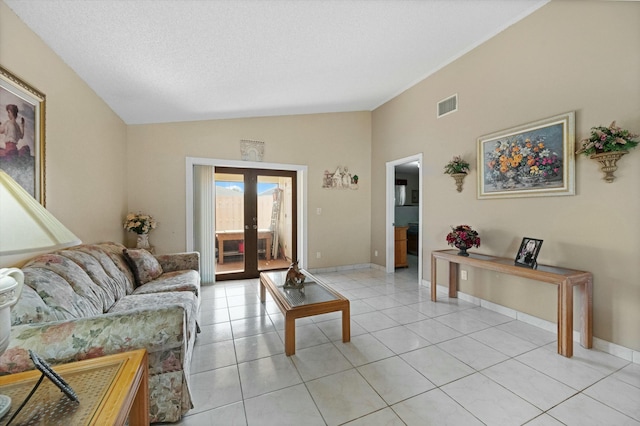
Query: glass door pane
230	223
276	228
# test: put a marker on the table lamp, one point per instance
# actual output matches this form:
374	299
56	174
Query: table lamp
26	228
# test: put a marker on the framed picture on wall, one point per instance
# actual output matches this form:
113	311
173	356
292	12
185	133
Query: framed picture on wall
528	252
532	160
415	196
22	130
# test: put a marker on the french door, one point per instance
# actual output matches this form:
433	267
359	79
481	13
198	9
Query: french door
255	221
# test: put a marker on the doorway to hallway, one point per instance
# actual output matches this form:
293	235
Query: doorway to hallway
404	206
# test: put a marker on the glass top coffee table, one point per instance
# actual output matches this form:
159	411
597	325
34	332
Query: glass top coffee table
314	299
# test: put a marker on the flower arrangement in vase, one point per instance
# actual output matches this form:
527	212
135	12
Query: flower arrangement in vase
463	237
141	224
607	145
458	169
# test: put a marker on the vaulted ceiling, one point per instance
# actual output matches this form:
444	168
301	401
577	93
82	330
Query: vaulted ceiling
156	61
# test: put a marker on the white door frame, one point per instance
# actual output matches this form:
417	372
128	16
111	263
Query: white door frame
301	173
390	203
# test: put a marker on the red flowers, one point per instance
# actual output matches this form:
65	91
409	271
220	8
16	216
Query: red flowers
462	236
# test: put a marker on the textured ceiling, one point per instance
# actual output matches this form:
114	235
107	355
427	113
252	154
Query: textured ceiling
169	60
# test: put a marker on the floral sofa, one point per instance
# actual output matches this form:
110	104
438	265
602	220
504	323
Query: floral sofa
94	300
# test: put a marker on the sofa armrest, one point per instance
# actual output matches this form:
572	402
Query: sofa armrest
179	261
154	329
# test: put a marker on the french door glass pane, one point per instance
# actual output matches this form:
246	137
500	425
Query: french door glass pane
275	226
230	223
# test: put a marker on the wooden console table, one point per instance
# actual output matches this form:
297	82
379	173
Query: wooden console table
565	279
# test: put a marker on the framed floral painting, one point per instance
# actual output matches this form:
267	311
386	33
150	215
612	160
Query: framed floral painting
22	112
531	160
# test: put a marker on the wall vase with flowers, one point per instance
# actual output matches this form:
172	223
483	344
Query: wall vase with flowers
607	145
463	237
141	224
458	169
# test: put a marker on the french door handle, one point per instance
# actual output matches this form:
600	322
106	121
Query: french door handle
255	226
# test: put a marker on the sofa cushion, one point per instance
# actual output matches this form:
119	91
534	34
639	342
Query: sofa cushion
95	271
112	279
63	286
172	281
144	265
185	299
114	252
31	309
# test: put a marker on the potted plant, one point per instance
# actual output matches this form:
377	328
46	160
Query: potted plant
458	169
607	145
141	224
463	237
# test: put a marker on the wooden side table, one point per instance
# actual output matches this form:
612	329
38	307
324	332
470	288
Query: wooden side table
111	389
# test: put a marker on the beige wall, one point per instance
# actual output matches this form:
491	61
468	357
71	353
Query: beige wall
156	162
85	140
547	64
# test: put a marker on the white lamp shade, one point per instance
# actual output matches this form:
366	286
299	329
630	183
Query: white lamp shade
25	225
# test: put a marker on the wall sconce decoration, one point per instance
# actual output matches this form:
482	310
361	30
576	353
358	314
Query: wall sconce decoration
608	163
459	178
458	169
607	145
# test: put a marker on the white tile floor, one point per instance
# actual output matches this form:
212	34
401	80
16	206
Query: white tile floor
410	362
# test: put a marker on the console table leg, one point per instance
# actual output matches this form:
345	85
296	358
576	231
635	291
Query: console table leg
565	319
434	291
586	335
453	279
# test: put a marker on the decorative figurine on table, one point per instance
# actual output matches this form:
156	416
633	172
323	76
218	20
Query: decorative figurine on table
295	278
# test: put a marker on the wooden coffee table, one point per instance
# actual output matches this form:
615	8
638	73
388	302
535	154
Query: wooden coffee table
316	298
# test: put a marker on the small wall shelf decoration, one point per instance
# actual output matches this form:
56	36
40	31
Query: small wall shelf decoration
607	145
459	178
340	179
608	163
458	169
251	150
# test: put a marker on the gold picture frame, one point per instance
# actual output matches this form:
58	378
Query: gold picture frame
532	160
22	135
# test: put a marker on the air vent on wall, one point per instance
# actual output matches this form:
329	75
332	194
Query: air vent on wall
447	106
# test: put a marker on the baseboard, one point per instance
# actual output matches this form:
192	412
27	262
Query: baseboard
342	268
600	344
